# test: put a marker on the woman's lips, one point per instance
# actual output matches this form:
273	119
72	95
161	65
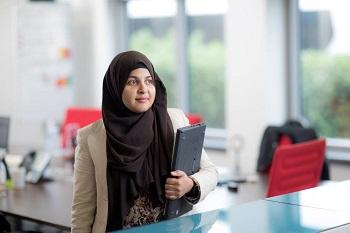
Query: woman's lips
142	100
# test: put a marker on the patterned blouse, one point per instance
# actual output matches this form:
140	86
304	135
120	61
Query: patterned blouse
144	211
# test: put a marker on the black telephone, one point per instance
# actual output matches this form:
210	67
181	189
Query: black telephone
35	164
8	182
28	160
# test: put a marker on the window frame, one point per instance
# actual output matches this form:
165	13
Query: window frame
215	138
337	148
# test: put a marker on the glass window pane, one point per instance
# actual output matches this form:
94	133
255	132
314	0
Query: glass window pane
151	31
325	65
207	59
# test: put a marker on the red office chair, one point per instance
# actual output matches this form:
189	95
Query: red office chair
194	118
296	167
76	118
282	141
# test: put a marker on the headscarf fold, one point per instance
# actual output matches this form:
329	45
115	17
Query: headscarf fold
138	145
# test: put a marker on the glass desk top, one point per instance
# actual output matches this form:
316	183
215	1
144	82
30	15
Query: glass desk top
258	216
334	196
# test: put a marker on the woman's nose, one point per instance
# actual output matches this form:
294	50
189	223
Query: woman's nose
142	88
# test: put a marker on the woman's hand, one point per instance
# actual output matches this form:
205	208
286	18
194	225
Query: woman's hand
178	185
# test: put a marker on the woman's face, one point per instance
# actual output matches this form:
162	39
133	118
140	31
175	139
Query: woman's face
139	91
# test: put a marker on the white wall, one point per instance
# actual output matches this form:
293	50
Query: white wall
256	73
97	38
96	33
7	71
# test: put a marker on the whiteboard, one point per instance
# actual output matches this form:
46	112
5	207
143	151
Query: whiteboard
44	61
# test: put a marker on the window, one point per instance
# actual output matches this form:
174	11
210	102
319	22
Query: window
206	59
325	65
153	27
152	32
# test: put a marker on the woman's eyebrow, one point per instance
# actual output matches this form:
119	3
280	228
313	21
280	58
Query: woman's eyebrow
131	76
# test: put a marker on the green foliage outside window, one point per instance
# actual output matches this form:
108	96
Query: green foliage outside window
326	92
206	64
207	72
161	51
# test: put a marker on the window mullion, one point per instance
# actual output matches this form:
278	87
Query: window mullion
182	77
294	78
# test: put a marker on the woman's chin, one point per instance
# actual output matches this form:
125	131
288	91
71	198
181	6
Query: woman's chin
140	108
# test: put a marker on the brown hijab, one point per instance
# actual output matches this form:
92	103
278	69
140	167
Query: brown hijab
139	145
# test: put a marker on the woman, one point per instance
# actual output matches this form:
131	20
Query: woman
122	174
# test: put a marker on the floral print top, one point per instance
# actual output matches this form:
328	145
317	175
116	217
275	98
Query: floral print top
143	212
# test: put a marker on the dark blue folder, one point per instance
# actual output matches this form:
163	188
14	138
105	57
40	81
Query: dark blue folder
186	157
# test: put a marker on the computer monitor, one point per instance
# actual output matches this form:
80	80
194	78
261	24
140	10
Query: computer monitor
4	132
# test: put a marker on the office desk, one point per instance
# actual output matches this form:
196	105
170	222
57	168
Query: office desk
273	215
221	197
46	203
50	203
334	196
258	216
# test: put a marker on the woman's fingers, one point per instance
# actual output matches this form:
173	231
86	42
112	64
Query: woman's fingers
172	181
172	189
169	187
172	195
178	185
178	173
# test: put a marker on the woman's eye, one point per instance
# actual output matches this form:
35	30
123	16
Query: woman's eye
149	81
132	82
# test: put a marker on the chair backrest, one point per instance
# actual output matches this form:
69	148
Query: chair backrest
82	116
4	132
75	118
296	167
194	118
280	135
